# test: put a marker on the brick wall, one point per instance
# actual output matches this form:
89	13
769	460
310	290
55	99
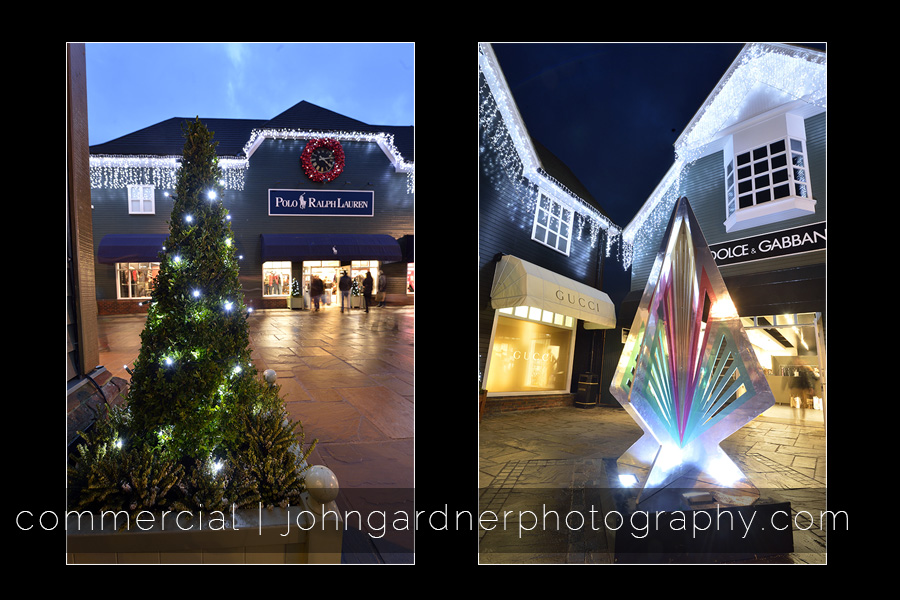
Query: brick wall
120	307
499	404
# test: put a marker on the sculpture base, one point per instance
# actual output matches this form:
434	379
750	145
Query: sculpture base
682	524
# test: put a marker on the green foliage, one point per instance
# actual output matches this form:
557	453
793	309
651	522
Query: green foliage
110	473
269	452
195	346
201	429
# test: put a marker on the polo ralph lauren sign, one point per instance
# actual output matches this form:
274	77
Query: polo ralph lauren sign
770	245
321	203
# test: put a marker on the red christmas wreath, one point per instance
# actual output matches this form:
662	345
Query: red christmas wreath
322	159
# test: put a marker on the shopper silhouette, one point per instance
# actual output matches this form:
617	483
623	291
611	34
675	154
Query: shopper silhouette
368	282
382	287
344	284
316	290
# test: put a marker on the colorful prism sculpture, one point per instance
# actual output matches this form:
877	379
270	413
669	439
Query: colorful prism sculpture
688	374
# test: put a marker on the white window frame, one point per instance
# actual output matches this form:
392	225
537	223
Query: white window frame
137	193
552	225
753	182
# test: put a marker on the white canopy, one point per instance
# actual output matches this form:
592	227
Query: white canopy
521	283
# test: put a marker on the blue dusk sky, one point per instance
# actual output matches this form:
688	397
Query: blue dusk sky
134	85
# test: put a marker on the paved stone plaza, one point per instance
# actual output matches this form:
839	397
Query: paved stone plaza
548	457
349	379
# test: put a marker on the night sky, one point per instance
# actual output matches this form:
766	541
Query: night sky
613	111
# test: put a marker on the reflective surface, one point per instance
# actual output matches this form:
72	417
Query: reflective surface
688	374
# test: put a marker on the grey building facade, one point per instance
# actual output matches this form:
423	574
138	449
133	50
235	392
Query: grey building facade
752	165
543	241
292	217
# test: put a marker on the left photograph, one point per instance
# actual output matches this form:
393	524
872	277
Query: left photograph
240	303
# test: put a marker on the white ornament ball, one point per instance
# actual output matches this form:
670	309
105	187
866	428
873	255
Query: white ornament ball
322	484
270	376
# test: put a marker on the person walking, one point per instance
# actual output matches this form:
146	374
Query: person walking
344	284
382	286
316	290
368	282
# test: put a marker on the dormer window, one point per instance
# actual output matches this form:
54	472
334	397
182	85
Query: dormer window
767	182
552	224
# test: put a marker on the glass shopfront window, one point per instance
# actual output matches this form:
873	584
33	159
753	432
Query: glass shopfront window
411	278
531	351
358	270
135	279
787	347
277	278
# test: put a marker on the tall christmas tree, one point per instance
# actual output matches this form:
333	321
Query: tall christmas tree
200	427
195	356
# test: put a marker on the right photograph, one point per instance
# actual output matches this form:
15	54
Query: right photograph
652	304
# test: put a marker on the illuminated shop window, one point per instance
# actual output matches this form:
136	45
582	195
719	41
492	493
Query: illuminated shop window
358	270
135	279
552	224
529	356
141	200
277	278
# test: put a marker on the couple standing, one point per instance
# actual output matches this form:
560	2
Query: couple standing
344	284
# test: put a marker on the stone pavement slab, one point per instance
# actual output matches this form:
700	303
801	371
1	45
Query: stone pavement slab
554	458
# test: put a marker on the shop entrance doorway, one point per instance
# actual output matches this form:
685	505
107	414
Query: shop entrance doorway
791	350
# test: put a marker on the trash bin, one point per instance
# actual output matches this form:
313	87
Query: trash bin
588	386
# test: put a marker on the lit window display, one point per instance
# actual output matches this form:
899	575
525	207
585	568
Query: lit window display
358	270
529	353
787	349
135	279
277	278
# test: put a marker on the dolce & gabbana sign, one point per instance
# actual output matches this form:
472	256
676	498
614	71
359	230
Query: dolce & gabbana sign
321	203
771	245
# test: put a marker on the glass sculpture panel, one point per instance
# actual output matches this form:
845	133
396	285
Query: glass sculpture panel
688	374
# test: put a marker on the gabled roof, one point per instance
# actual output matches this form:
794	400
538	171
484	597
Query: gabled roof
305	115
764	77
538	164
165	138
557	169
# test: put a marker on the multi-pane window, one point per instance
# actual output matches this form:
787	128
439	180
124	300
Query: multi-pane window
552	224
141	200
767	173
135	279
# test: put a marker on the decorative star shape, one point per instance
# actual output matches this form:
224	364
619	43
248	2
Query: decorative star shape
688	374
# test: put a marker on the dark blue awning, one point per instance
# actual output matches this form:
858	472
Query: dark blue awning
407	247
325	246
131	247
